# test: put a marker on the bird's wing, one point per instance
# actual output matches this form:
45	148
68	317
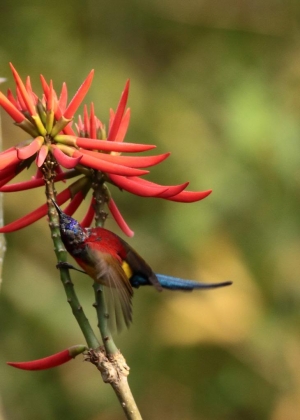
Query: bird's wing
139	266
118	291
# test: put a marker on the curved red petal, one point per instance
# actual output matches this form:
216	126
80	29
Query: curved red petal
69	130
99	124
25	95
131	161
63	99
119	113
189	196
88	218
6	180
22	186
108	167
119	218
171	189
93	133
34	97
21	103
80	126
58	113
78	97
86	120
74	204
28	85
50	100
45	363
45	85
51	361
41	156
10	171
8	159
11	97
25	220
135	188
112	146
31	149
33	183
13	111
111	118
64	160
123	126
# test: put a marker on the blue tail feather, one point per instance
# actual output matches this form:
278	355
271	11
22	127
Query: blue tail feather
175	283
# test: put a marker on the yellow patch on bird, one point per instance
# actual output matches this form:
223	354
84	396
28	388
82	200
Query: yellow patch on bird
127	269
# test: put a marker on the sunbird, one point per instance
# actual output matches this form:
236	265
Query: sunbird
113	263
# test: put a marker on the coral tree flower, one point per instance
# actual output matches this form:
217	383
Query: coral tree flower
87	151
52	361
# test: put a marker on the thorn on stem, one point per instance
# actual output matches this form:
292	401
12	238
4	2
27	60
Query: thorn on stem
68	282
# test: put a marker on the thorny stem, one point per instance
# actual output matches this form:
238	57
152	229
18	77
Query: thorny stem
61	254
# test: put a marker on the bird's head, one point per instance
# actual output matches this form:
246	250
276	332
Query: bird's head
71	231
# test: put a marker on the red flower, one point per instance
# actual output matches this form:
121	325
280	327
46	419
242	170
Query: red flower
51	361
90	150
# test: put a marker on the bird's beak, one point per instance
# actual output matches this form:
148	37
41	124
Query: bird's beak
59	211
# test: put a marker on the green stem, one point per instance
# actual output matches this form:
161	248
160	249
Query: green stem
77	309
102	315
61	255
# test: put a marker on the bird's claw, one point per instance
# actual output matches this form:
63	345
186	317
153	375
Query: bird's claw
62	264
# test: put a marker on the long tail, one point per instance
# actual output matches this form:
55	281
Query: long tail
175	283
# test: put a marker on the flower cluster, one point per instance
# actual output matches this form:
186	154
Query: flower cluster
84	152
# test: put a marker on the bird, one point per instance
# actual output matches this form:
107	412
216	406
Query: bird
113	263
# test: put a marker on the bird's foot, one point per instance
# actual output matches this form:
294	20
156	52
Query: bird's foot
62	264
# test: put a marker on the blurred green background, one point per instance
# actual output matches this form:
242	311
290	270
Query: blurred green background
218	85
